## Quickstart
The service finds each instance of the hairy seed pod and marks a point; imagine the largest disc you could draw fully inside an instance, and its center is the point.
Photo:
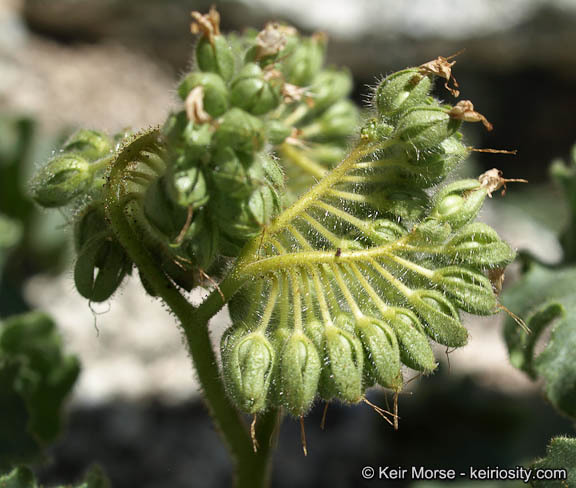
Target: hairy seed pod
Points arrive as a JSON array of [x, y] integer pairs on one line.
[[400, 91], [215, 56], [64, 178], [197, 138], [100, 268], [272, 170], [187, 186], [304, 61], [458, 203], [89, 223], [441, 318], [300, 368], [248, 366], [90, 144], [330, 86], [252, 92], [477, 244], [346, 362], [426, 127], [415, 350], [432, 231], [277, 131], [403, 201], [203, 248], [173, 129], [471, 290], [216, 96], [241, 131], [382, 351], [161, 211]]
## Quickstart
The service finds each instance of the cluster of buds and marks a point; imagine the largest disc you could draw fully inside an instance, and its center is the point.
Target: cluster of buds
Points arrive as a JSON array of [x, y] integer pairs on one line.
[[375, 266]]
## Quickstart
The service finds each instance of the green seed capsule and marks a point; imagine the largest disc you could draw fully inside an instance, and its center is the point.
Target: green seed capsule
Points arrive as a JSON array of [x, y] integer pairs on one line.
[[187, 187], [441, 318], [241, 131], [216, 97], [384, 230], [329, 87], [229, 175], [477, 244], [64, 178], [471, 290], [277, 131], [300, 369], [89, 144], [216, 57], [432, 231], [400, 91], [346, 359], [338, 121], [403, 201], [100, 268], [415, 350], [252, 92], [304, 62], [272, 170], [426, 127], [167, 217], [174, 127], [382, 351], [197, 138], [203, 248], [249, 366], [459, 202]]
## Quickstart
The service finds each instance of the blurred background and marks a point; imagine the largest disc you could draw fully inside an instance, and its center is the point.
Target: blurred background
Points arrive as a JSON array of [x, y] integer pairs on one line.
[[112, 64]]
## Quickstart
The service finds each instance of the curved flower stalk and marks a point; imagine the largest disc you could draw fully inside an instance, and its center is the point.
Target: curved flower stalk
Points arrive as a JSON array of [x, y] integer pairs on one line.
[[342, 253]]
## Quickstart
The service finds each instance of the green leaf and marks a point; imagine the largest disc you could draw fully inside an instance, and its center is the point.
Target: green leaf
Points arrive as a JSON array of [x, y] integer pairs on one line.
[[545, 298], [560, 454], [22, 477], [36, 378]]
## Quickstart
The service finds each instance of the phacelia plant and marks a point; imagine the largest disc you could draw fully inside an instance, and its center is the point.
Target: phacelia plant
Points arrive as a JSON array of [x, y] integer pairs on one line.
[[340, 253]]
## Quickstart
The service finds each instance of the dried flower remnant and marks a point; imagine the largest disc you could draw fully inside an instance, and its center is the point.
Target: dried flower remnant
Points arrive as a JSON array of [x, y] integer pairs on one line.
[[442, 67], [493, 180], [464, 110], [206, 24]]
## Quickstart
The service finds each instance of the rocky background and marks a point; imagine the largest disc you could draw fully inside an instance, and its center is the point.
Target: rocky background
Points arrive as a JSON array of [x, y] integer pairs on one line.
[[110, 64]]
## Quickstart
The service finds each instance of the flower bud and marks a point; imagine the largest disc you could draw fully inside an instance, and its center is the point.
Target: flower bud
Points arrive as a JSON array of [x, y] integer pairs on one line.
[[252, 92], [304, 61], [382, 351], [215, 56], [346, 360], [277, 131], [338, 121], [215, 100], [330, 86], [376, 130], [229, 174], [426, 127], [441, 318], [241, 131], [400, 91], [458, 203], [187, 186], [65, 177], [471, 290], [415, 350], [89, 144], [162, 212], [248, 367], [477, 244], [300, 369], [100, 267]]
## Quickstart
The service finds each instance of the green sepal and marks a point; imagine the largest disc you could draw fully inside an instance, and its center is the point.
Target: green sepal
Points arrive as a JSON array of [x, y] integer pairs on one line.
[[426, 127], [229, 174], [338, 121], [441, 319], [403, 201], [90, 222], [304, 61], [300, 369], [277, 131], [330, 86], [65, 177], [203, 248], [166, 216], [100, 268], [382, 351], [216, 57], [187, 187], [459, 203], [241, 131], [471, 290], [385, 230], [216, 96], [415, 350], [560, 454], [400, 91]]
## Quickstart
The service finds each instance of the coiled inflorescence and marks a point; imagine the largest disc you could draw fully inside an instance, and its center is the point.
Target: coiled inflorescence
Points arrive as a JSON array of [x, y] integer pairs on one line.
[[349, 271]]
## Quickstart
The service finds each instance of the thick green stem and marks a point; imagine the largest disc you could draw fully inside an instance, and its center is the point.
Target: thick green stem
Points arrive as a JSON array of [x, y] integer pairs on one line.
[[252, 468]]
